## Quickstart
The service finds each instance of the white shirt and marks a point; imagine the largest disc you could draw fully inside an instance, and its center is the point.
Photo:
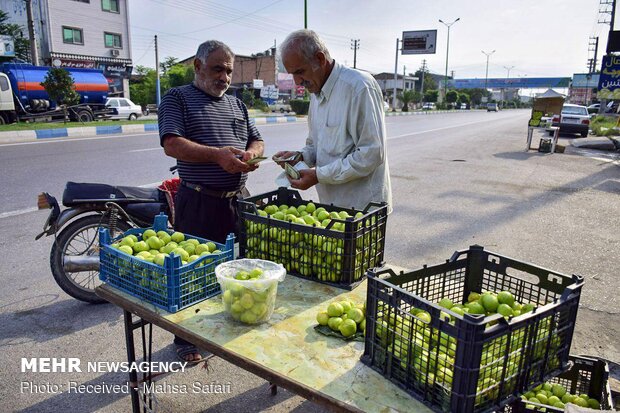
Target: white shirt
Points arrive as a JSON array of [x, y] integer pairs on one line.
[[347, 140]]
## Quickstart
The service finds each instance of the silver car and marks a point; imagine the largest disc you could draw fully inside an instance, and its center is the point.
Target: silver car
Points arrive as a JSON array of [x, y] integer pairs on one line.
[[124, 109]]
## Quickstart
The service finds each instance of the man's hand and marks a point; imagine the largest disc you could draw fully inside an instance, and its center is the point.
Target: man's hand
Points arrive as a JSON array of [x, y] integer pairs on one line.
[[286, 155], [308, 179], [232, 160]]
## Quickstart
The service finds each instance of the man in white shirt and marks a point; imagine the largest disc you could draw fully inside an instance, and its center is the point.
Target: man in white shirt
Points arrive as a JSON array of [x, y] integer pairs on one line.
[[346, 143]]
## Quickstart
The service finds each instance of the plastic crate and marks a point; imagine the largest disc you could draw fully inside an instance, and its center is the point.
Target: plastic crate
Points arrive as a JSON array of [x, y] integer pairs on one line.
[[326, 255], [171, 287], [587, 375], [469, 363]]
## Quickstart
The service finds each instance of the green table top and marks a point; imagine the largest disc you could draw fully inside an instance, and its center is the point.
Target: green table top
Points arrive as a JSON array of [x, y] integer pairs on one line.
[[288, 347]]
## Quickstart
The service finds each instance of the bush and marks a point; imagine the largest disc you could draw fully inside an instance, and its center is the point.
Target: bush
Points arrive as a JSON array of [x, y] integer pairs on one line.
[[261, 105], [299, 106]]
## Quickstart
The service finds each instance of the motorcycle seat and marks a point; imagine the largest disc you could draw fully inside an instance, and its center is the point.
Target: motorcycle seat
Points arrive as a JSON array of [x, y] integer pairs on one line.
[[76, 194], [145, 212]]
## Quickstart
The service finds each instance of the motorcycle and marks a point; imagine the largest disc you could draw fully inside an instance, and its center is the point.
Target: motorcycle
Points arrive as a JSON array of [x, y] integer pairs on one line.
[[74, 257]]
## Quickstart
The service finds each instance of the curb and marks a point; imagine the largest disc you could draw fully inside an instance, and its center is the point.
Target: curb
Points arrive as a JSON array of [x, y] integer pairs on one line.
[[91, 131]]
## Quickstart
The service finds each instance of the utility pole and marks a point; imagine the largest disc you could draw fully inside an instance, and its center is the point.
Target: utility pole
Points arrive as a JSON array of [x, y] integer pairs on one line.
[[158, 90], [305, 14], [355, 45], [395, 77], [34, 53], [423, 76]]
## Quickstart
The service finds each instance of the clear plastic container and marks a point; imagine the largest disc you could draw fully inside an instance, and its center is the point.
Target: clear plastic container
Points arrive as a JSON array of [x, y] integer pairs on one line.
[[250, 301]]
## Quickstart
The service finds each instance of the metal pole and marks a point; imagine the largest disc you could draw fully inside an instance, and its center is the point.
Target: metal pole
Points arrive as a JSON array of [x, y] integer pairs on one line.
[[445, 80], [395, 77], [507, 77], [486, 76], [305, 14], [423, 75], [157, 85]]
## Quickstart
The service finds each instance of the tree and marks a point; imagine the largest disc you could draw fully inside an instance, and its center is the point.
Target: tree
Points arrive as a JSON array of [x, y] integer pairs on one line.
[[179, 75], [247, 96], [22, 44], [451, 96], [431, 95], [60, 87], [141, 70], [406, 97], [429, 82], [143, 91], [168, 63], [463, 98]]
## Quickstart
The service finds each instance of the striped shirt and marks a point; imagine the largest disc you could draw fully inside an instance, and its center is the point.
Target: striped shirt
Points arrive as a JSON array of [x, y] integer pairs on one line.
[[217, 122]]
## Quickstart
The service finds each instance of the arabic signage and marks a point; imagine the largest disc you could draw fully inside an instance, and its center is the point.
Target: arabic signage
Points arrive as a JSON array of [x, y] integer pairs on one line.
[[609, 79], [285, 81], [419, 42]]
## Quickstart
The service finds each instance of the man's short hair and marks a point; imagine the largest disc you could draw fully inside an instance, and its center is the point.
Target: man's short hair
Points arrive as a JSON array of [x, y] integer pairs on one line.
[[206, 48], [307, 42]]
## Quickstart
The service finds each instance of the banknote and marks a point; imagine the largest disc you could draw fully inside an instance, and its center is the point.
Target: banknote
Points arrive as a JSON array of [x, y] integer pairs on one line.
[[291, 171]]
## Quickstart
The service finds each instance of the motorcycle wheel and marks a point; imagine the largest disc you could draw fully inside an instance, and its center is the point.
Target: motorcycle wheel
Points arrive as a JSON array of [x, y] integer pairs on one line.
[[79, 238]]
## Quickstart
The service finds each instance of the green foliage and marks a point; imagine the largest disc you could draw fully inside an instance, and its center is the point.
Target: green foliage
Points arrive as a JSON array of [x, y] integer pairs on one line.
[[22, 44], [300, 106], [143, 91], [179, 75], [168, 63], [452, 96], [429, 82], [407, 97], [261, 105], [604, 126], [247, 96], [463, 98], [60, 87], [431, 95]]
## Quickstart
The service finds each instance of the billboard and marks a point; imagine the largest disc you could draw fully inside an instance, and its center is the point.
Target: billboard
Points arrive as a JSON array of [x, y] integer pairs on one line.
[[609, 79], [7, 47], [419, 42]]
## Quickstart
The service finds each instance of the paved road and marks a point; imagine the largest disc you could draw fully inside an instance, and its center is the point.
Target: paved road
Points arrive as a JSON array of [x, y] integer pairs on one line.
[[458, 179]]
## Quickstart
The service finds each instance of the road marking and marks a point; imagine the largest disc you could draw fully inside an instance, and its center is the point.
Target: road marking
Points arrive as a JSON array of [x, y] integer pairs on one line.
[[18, 212], [438, 129], [75, 139], [145, 150]]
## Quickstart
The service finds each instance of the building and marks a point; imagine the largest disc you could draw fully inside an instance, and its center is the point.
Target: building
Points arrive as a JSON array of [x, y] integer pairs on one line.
[[386, 83], [81, 33]]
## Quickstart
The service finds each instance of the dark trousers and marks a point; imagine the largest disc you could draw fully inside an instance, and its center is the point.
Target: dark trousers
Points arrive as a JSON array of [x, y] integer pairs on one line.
[[204, 216]]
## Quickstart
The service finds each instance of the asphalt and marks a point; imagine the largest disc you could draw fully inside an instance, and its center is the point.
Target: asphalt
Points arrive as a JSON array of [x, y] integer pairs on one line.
[[601, 143]]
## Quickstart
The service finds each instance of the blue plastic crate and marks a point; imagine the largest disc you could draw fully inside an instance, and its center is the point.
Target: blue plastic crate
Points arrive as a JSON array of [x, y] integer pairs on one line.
[[171, 287]]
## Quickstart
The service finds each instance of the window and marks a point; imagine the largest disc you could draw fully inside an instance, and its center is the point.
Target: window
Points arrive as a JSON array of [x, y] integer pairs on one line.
[[72, 35], [82, 1], [4, 84], [124, 102], [113, 103], [113, 40], [110, 5]]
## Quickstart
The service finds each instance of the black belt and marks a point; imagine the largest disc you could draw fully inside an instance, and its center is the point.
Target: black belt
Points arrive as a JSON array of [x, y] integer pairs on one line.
[[204, 190]]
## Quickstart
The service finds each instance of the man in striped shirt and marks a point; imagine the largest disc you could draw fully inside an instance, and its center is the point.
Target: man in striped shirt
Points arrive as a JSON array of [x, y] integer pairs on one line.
[[210, 135]]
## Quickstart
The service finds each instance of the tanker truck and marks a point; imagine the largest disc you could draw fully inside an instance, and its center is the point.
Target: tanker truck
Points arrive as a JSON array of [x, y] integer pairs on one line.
[[22, 98]]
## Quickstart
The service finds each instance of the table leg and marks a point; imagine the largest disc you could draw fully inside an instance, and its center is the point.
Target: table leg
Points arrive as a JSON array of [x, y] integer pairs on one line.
[[556, 136], [131, 358], [530, 132], [273, 388]]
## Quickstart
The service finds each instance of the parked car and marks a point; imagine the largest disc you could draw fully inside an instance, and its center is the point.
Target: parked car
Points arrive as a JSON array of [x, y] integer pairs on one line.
[[594, 108], [124, 108], [573, 119], [428, 106], [386, 106], [280, 106], [492, 107], [463, 106]]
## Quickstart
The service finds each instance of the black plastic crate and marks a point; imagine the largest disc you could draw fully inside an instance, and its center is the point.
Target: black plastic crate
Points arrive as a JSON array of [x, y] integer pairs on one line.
[[587, 375], [338, 254], [469, 363]]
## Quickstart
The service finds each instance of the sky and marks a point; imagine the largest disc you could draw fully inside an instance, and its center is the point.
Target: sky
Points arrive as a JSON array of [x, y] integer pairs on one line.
[[535, 38]]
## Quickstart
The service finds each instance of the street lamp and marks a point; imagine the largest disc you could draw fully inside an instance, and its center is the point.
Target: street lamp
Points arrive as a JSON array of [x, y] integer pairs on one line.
[[445, 81], [486, 76], [507, 77]]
